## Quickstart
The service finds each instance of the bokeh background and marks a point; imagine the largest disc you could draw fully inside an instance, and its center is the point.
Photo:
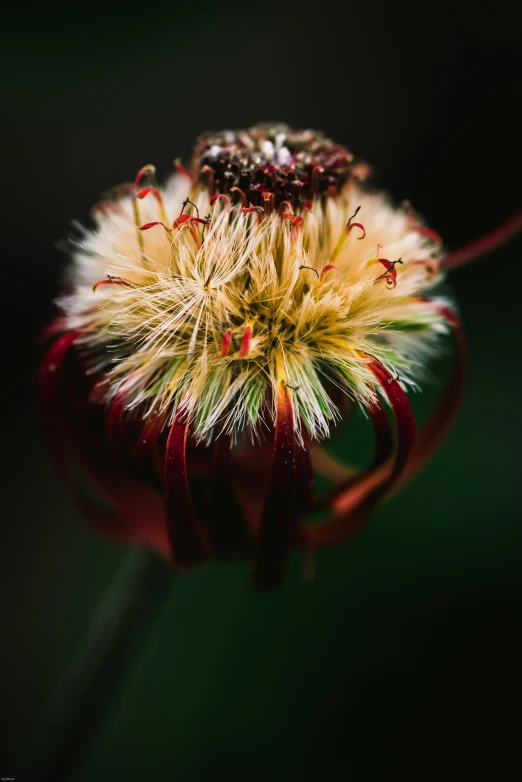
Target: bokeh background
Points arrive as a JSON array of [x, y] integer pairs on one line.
[[403, 659]]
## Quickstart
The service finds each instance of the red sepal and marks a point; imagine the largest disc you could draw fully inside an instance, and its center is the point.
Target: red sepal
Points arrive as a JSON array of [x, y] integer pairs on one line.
[[145, 450], [278, 517], [115, 425], [124, 509], [439, 422], [354, 488], [53, 330], [229, 531], [355, 505], [185, 535]]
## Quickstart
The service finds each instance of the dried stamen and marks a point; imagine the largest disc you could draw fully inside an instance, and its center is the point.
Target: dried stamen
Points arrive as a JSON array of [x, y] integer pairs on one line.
[[390, 275], [342, 239], [185, 203], [111, 281]]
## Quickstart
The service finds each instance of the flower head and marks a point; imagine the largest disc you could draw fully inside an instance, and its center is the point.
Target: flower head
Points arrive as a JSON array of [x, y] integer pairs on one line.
[[248, 301]]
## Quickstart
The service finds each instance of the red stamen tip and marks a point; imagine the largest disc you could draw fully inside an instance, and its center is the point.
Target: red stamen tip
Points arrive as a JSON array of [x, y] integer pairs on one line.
[[245, 343], [356, 225], [148, 170], [328, 268], [225, 198], [285, 209], [250, 209], [111, 281], [390, 275], [225, 343], [188, 221], [180, 220], [296, 224], [145, 191], [146, 226], [242, 195], [182, 170]]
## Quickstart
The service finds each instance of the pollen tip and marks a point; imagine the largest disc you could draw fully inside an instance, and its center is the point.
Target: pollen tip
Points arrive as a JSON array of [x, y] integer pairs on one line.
[[148, 170], [360, 226], [241, 193], [182, 170], [146, 226], [245, 343], [225, 343], [286, 209], [225, 198], [145, 191], [328, 268]]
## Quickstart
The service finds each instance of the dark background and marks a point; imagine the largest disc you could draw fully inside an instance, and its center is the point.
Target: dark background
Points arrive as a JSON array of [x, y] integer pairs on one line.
[[403, 659]]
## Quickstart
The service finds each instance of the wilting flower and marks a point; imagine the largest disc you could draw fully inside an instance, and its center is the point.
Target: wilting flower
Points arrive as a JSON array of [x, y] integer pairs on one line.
[[213, 331]]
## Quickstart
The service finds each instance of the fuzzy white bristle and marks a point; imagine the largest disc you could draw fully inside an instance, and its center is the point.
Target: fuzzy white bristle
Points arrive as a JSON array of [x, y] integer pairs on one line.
[[200, 316]]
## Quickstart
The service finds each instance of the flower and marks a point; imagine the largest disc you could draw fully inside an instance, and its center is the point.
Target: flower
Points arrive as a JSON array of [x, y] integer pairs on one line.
[[212, 332]]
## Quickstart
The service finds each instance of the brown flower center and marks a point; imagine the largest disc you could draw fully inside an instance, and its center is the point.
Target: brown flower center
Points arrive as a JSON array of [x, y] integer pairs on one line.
[[268, 165]]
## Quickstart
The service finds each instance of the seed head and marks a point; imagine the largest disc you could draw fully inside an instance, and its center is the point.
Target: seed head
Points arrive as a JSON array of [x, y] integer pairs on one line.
[[255, 292], [251, 271]]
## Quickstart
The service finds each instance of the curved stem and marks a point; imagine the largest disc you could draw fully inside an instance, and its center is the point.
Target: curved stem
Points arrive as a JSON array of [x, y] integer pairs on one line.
[[486, 244], [92, 685]]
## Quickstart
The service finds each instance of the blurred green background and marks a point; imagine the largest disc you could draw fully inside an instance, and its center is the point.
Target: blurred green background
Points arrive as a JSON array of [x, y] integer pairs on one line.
[[402, 659]]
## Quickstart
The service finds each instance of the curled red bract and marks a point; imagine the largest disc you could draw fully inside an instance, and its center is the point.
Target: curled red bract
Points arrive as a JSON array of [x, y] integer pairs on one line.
[[175, 495]]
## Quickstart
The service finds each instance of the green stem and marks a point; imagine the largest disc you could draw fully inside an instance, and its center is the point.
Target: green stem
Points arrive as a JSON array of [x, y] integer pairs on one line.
[[100, 669]]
